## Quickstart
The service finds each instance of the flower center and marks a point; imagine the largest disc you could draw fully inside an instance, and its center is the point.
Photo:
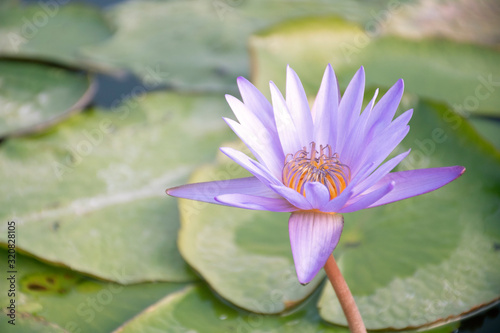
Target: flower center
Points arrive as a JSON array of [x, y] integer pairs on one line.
[[323, 167]]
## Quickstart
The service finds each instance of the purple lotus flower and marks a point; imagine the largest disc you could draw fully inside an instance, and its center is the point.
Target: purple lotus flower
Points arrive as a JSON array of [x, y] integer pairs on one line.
[[319, 163]]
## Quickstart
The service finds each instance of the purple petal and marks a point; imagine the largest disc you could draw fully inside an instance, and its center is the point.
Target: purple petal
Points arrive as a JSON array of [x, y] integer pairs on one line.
[[350, 107], [416, 182], [253, 167], [378, 174], [207, 191], [337, 203], [377, 149], [256, 102], [386, 108], [298, 106], [256, 203], [325, 108], [313, 237], [294, 197], [264, 151], [362, 201], [285, 126], [358, 136], [317, 194]]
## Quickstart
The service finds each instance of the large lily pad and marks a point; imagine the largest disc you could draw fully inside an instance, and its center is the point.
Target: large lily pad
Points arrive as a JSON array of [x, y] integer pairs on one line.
[[432, 258], [463, 75], [95, 186], [488, 128], [175, 314], [35, 96], [244, 255], [201, 44], [51, 31], [50, 299]]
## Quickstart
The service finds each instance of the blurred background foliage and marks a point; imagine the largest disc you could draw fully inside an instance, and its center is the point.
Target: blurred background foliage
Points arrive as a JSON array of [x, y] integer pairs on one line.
[[100, 246]]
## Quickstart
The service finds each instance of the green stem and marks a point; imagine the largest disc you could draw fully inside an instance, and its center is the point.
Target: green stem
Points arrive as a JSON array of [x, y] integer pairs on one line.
[[344, 296]]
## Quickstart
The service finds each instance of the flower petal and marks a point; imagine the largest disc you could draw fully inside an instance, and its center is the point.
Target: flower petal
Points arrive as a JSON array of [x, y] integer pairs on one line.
[[416, 182], [294, 197], [358, 136], [255, 101], [337, 203], [381, 145], [317, 194], [378, 174], [256, 202], [386, 108], [287, 132], [253, 167], [262, 147], [313, 237], [325, 108], [298, 106], [350, 107], [207, 191], [363, 201]]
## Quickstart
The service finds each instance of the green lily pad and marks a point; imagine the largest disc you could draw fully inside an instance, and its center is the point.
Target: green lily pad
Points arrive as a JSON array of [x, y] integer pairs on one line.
[[463, 75], [86, 305], [488, 128], [200, 44], [50, 31], [433, 258], [29, 323], [90, 194], [175, 312], [244, 255], [34, 96]]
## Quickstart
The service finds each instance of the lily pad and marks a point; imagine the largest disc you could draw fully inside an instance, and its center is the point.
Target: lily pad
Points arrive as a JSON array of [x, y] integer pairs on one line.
[[34, 96], [433, 258], [51, 31], [200, 44], [463, 75], [244, 255], [174, 313], [489, 128], [85, 305], [29, 323], [94, 187]]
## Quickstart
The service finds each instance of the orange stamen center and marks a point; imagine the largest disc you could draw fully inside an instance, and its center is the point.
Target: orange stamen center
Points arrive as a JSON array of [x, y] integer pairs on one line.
[[323, 167]]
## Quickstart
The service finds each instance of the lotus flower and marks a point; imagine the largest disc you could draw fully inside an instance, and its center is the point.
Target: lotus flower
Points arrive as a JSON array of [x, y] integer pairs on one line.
[[317, 163]]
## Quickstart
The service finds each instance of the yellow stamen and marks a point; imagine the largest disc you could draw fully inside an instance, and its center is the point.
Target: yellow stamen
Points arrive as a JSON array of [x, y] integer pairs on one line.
[[323, 167]]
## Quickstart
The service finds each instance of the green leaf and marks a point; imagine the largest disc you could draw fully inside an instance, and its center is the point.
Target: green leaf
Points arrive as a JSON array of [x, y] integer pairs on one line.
[[244, 255], [175, 314], [34, 96], [25, 322], [465, 76], [91, 194], [488, 128], [200, 44], [432, 258], [50, 31], [50, 299]]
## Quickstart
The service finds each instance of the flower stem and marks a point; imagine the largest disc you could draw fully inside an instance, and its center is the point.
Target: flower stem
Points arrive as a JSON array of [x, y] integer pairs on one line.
[[344, 296]]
